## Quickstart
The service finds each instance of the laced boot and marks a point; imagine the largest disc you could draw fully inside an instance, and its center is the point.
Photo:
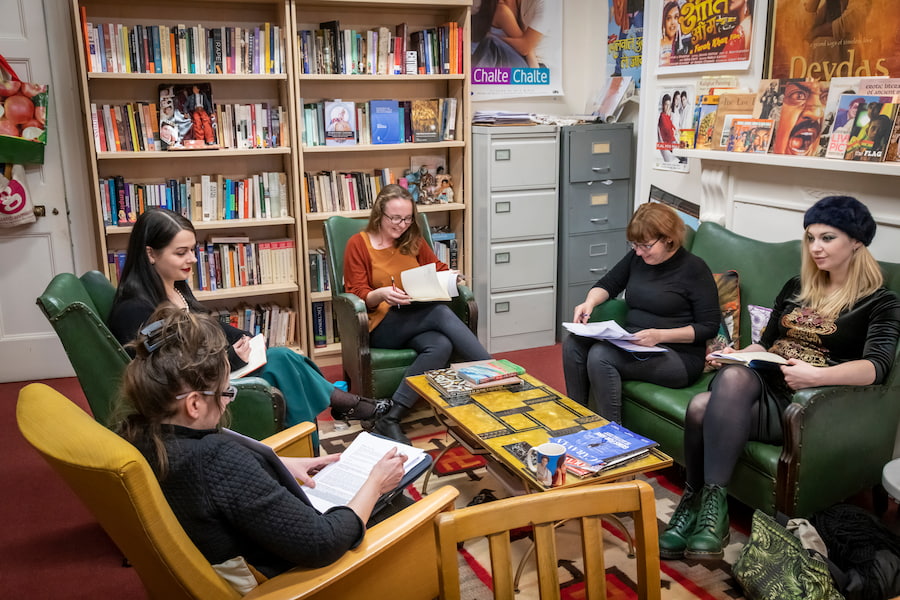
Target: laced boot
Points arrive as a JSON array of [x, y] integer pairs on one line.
[[389, 424], [673, 540], [711, 533], [346, 407]]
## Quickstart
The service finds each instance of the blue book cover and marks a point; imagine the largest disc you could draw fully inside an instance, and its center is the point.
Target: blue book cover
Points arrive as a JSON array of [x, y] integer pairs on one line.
[[385, 117], [604, 444]]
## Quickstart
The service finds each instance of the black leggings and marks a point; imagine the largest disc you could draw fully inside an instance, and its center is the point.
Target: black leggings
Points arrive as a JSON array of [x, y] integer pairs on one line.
[[718, 425]]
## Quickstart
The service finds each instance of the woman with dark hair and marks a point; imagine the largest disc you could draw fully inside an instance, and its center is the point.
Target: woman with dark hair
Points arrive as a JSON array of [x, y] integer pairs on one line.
[[672, 301], [238, 502], [835, 324], [666, 134], [390, 244], [741, 12], [670, 32], [159, 261]]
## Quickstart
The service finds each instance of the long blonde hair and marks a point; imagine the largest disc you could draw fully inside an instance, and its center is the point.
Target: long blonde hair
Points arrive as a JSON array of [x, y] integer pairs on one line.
[[863, 277]]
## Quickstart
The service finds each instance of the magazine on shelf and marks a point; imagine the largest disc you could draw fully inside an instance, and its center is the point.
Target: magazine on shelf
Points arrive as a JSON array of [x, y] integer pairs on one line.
[[340, 481], [613, 333], [750, 135], [606, 445]]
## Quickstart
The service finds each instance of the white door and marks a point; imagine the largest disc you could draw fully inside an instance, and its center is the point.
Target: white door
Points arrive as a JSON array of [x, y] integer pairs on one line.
[[31, 255]]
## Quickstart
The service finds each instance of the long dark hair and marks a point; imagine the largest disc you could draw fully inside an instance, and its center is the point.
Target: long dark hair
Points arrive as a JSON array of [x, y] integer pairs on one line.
[[408, 243], [155, 228]]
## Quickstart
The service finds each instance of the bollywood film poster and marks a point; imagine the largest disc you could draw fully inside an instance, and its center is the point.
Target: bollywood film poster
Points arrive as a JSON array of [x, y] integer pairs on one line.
[[821, 39], [516, 48], [698, 33], [672, 115], [625, 39]]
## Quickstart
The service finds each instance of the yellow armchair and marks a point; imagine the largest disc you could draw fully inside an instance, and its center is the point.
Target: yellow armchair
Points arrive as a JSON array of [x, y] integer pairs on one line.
[[117, 485]]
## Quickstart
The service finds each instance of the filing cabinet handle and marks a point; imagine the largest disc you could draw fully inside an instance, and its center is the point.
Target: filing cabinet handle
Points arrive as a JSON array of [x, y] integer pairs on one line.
[[603, 270], [603, 220], [501, 307], [600, 169], [501, 258], [503, 207]]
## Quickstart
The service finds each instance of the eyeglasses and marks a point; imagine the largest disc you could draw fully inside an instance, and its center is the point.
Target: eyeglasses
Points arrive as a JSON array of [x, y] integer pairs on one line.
[[230, 392], [644, 247], [396, 220]]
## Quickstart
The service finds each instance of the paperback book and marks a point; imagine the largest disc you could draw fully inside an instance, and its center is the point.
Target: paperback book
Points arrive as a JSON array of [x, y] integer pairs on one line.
[[386, 122], [427, 284], [340, 123], [426, 122], [754, 360], [851, 109], [606, 445], [750, 135], [450, 385], [486, 371]]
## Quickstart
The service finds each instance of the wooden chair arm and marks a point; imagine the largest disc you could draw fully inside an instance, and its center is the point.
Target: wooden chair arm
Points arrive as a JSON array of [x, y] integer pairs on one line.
[[293, 441]]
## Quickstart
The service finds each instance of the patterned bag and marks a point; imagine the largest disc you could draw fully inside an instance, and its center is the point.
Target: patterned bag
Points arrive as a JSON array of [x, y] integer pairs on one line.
[[774, 565]]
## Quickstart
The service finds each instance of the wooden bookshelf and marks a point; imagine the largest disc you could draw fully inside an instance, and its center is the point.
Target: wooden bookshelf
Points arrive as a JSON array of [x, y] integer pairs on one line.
[[363, 15]]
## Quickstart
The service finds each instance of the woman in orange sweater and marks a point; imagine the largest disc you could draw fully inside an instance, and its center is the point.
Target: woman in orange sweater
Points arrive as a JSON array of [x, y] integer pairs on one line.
[[390, 244]]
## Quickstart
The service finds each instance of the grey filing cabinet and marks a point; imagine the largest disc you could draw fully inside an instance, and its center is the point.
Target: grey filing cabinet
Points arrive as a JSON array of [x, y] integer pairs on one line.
[[515, 204], [596, 199]]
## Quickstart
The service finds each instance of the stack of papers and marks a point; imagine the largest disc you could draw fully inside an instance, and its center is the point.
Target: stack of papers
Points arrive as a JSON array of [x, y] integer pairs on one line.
[[613, 333], [500, 117]]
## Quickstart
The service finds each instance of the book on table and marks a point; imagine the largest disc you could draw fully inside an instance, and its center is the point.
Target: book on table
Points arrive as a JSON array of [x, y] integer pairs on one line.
[[340, 481], [604, 447], [450, 384], [427, 284], [487, 371], [613, 333], [749, 359]]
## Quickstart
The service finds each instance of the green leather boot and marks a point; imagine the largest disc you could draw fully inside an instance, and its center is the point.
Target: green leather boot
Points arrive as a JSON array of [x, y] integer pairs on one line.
[[711, 532], [673, 540]]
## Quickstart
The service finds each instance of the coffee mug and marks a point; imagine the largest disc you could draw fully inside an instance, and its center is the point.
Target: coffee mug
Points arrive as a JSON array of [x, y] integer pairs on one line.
[[547, 462]]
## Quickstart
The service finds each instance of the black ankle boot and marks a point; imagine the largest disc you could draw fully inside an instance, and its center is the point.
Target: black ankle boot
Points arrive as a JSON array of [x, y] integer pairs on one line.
[[673, 540], [346, 406], [389, 424], [711, 533]]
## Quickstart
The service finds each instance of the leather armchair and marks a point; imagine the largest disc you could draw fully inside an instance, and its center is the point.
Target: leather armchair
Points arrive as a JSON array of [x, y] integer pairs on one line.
[[373, 372], [116, 483], [77, 308]]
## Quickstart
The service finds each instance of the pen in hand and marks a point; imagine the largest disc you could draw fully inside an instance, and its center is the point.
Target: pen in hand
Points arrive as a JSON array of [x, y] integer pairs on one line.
[[395, 289]]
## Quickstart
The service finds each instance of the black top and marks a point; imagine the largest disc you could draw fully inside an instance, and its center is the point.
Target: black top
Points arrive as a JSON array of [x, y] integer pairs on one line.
[[867, 331], [129, 315], [233, 501], [678, 292]]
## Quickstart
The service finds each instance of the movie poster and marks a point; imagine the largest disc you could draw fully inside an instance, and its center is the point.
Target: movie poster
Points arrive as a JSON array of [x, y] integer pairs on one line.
[[516, 51], [821, 39], [672, 116], [698, 33], [625, 39]]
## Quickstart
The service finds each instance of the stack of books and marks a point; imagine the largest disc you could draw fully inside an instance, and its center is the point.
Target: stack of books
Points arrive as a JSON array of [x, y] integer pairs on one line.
[[463, 379], [594, 450]]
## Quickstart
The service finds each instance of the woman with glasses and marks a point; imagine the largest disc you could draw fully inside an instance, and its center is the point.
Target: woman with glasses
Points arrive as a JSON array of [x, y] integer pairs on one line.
[[672, 302], [238, 502], [374, 258], [159, 260]]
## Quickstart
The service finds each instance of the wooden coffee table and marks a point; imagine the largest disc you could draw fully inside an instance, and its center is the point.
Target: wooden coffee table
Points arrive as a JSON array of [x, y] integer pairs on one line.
[[496, 423]]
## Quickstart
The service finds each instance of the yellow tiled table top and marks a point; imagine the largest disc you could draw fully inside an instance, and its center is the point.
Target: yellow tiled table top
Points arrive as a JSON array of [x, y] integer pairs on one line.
[[496, 421]]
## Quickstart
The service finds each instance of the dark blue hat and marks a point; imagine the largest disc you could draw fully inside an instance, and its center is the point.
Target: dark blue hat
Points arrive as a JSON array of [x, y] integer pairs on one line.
[[845, 213]]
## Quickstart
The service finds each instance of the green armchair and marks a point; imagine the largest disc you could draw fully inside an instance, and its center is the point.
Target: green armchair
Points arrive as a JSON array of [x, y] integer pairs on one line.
[[837, 438], [77, 309], [373, 372]]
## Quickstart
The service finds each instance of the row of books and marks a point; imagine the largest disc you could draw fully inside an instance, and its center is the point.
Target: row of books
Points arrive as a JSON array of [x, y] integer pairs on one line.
[[135, 127], [120, 48], [858, 119], [340, 123], [325, 329], [201, 198], [278, 324], [332, 50], [318, 271], [333, 191], [446, 248]]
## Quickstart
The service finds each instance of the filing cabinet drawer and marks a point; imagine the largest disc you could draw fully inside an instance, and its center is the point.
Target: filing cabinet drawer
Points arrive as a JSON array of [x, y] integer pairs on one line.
[[523, 264], [598, 205], [523, 162], [526, 213], [599, 154], [592, 256], [522, 312]]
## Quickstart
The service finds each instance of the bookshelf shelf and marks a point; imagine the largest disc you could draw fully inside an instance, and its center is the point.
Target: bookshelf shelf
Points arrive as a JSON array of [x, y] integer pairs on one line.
[[359, 214], [246, 291], [391, 78], [793, 162], [409, 147], [94, 75], [221, 224], [192, 154]]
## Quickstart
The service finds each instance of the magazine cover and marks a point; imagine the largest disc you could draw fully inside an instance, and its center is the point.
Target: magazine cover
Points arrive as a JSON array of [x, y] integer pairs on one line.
[[871, 134], [850, 107], [625, 40], [699, 33], [822, 39], [668, 133], [832, 120], [603, 444], [797, 107], [750, 135], [187, 117], [705, 120]]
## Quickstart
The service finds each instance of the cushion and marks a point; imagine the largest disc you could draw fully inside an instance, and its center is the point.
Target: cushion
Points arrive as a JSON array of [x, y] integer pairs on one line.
[[728, 284], [759, 317]]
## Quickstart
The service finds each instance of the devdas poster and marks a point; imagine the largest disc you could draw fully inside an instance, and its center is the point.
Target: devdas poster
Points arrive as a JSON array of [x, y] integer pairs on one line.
[[697, 33], [821, 39]]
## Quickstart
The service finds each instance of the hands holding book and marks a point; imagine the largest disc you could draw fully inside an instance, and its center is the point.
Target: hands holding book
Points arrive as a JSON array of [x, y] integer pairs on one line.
[[797, 374]]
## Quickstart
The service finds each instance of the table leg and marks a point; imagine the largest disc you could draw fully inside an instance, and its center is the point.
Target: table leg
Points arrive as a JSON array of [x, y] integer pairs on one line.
[[431, 467]]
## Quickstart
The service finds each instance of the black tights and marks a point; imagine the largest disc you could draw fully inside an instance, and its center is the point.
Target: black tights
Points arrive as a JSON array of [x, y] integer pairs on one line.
[[718, 425]]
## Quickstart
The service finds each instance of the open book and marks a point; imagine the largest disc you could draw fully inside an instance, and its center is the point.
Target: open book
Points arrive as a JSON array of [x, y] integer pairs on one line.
[[750, 359], [339, 482], [257, 357], [613, 333], [427, 284]]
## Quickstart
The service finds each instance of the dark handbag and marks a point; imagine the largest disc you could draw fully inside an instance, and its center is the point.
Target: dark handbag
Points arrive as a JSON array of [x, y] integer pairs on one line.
[[774, 565]]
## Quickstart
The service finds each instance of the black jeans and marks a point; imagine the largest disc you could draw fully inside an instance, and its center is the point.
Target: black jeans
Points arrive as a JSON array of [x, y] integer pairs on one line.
[[432, 330]]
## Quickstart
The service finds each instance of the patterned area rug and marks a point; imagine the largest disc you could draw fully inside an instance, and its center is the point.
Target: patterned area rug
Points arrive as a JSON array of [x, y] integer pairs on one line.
[[683, 579]]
